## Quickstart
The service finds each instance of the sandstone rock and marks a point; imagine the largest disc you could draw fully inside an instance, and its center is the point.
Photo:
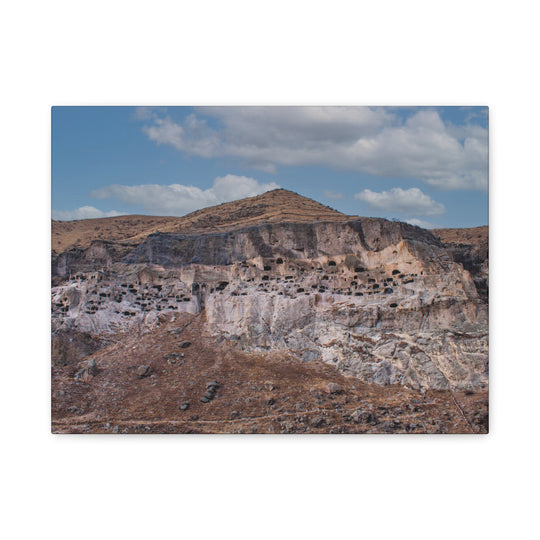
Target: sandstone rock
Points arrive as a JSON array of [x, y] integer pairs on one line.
[[318, 422], [176, 331], [287, 427], [173, 358], [143, 371], [210, 393], [363, 417], [388, 427], [88, 370], [333, 388], [69, 347]]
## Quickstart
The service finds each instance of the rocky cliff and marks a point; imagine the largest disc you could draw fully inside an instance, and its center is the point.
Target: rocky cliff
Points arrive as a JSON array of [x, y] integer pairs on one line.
[[469, 247], [382, 301]]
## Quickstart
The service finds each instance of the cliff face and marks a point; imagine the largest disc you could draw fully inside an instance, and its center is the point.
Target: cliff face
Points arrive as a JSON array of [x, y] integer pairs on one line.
[[469, 247], [382, 301], [290, 240], [300, 241]]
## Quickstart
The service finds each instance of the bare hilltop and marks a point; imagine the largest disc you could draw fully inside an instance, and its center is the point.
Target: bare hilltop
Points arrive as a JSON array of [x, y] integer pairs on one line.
[[271, 207]]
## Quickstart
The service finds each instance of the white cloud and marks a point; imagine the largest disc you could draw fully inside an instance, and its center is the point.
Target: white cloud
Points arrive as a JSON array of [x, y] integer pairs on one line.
[[84, 212], [331, 194], [364, 139], [411, 202], [420, 223], [178, 199], [147, 113]]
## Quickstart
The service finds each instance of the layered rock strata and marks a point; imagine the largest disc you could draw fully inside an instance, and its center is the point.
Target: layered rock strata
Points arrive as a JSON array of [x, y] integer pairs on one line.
[[382, 301]]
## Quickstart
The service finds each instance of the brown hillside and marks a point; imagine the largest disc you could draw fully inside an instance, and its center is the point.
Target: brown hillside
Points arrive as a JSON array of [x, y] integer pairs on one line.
[[269, 393], [273, 206], [475, 236]]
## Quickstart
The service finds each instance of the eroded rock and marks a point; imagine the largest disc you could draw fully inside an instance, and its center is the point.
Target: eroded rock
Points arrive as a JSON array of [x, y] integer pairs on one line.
[[87, 371], [143, 371], [385, 302], [333, 388]]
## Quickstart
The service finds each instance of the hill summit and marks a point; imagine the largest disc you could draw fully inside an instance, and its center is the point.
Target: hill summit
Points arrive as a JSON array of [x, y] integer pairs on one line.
[[278, 205], [273, 206]]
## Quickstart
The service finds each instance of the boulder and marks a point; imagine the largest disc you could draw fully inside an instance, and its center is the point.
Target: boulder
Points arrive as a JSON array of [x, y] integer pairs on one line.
[[333, 388], [172, 358], [363, 417], [176, 331], [318, 421], [143, 371], [87, 371]]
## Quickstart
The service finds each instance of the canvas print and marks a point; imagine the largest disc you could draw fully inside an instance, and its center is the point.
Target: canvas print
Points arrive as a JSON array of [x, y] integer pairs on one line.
[[269, 270]]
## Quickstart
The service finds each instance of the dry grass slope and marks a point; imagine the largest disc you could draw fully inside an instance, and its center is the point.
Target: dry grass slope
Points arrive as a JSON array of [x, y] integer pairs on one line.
[[273, 206], [475, 236], [270, 393]]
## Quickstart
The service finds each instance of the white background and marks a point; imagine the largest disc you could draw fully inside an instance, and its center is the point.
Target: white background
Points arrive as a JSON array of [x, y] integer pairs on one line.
[[174, 53]]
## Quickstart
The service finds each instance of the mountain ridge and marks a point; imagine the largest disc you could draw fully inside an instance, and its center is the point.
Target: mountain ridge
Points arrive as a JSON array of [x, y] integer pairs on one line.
[[278, 205], [270, 207]]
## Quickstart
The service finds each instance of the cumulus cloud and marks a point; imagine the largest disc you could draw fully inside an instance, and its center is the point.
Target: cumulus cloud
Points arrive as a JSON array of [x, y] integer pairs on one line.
[[178, 199], [420, 223], [331, 194], [84, 212], [411, 202], [147, 113], [369, 140]]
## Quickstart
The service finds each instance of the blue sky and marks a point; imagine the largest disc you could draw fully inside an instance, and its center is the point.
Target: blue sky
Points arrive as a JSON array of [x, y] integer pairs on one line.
[[424, 165]]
